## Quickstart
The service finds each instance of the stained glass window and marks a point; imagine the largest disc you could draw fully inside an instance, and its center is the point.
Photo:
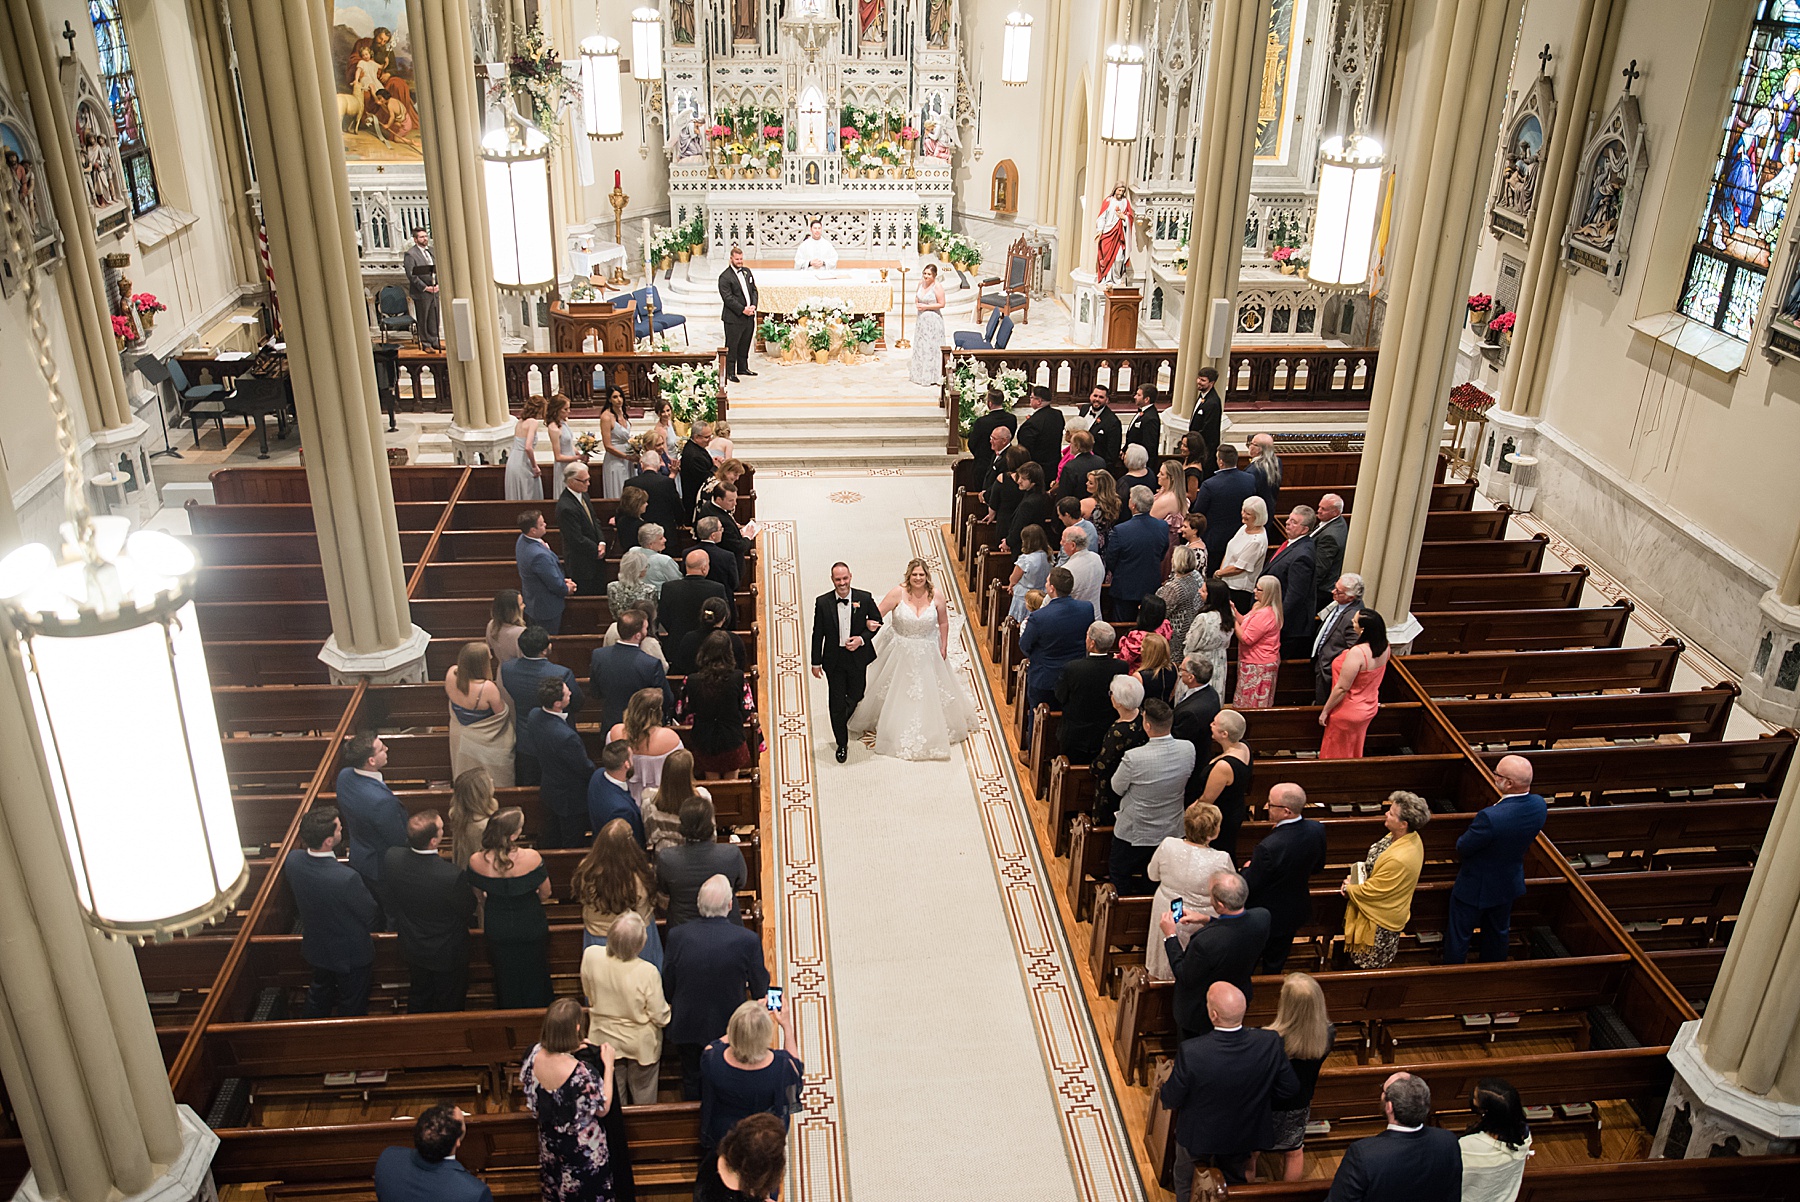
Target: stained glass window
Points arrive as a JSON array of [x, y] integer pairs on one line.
[[1754, 178], [119, 83]]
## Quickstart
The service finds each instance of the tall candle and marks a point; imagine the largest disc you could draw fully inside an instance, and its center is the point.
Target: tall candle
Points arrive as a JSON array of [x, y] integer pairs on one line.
[[646, 244], [615, 180]]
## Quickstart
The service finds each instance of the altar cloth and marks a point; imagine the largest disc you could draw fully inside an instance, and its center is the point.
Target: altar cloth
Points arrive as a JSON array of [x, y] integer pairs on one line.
[[783, 290]]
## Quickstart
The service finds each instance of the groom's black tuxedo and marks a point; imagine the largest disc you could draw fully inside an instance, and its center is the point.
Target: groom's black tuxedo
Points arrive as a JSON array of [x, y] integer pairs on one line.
[[845, 671]]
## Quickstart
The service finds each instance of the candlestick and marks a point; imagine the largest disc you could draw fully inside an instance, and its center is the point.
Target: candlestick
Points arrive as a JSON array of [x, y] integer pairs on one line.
[[619, 200], [901, 343]]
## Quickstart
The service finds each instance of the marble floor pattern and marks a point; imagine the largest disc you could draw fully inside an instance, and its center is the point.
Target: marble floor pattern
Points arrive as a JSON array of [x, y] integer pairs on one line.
[[939, 1008]]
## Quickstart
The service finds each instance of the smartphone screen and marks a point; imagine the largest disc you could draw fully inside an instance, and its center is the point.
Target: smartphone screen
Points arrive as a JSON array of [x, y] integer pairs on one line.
[[774, 997], [1175, 908]]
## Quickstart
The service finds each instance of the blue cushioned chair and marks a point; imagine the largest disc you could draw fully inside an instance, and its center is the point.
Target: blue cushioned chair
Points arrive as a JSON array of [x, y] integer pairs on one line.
[[660, 320], [998, 334]]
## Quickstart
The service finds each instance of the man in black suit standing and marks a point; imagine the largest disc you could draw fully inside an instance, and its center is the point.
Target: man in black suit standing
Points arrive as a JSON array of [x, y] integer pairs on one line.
[[521, 678], [1409, 1160], [844, 623], [1225, 948], [618, 671], [1042, 433], [1292, 563], [1074, 479], [1329, 537], [709, 966], [1084, 690], [1104, 425], [432, 907], [1195, 712], [1280, 871], [1209, 413], [1146, 428], [582, 545], [663, 507], [1224, 1089], [1336, 631], [737, 292], [679, 608], [722, 567], [337, 913], [981, 432], [696, 466], [563, 765]]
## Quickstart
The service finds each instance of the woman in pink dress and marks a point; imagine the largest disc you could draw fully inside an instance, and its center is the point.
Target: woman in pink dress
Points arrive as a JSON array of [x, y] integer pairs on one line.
[[1355, 688], [1259, 647]]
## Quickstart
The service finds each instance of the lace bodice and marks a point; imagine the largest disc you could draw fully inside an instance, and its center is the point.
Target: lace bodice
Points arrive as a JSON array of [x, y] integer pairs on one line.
[[910, 625]]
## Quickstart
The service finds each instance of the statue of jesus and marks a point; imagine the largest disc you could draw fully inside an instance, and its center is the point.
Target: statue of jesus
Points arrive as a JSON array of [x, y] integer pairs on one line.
[[816, 251], [1112, 261]]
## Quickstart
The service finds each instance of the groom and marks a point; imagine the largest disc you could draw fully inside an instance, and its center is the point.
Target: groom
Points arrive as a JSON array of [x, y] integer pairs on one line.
[[841, 651]]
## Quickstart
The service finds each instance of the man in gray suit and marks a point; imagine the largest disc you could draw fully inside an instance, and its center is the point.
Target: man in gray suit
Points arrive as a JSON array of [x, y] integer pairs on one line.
[[1328, 547], [1335, 631], [420, 265], [1149, 783]]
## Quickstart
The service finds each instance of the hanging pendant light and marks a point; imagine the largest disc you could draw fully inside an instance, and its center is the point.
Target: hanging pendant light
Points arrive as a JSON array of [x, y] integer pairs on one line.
[[1015, 51], [515, 163], [646, 45], [600, 103], [1350, 171], [1121, 93], [143, 799]]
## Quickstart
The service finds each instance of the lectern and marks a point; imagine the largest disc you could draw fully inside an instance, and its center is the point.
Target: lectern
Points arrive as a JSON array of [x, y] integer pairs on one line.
[[1122, 318]]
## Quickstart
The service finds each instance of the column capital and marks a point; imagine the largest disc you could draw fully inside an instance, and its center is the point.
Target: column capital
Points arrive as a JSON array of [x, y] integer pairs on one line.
[[488, 442], [188, 1179], [404, 664], [1772, 685], [1705, 1110]]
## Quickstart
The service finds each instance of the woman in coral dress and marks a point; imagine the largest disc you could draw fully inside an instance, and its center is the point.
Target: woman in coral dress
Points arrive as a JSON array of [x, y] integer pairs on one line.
[[1259, 647], [1355, 688]]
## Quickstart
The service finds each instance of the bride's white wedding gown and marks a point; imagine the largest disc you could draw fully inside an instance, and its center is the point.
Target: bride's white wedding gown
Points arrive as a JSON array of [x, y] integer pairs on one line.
[[911, 702]]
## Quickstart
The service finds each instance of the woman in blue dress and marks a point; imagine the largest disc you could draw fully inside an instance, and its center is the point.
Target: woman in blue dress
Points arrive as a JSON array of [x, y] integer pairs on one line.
[[522, 480]]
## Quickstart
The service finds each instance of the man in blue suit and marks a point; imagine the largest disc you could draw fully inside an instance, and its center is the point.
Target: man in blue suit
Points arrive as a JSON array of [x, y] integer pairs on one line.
[[1221, 502], [336, 915], [1292, 562], [564, 765], [428, 1171], [1054, 635], [1134, 554], [709, 968], [1493, 865], [618, 671], [607, 795], [521, 678], [1409, 1159], [374, 819], [541, 577]]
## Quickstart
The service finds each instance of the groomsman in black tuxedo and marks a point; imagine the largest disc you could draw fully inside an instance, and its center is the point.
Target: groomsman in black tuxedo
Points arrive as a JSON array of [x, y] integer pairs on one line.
[[1146, 428], [844, 624], [581, 540], [1042, 433], [1209, 414], [1109, 434], [737, 291]]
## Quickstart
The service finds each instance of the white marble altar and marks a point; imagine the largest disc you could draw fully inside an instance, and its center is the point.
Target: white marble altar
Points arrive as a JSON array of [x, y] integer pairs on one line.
[[858, 290]]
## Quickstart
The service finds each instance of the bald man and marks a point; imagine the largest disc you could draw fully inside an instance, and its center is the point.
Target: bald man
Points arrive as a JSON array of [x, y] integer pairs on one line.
[[1492, 850], [1280, 871], [1224, 1089]]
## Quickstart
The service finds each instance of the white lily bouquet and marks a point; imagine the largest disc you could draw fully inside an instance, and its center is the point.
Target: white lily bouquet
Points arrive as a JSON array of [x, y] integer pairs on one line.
[[691, 389]]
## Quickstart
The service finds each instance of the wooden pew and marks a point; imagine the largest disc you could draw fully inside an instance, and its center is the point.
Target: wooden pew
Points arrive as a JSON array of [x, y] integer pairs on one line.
[[1502, 673], [1451, 525], [1484, 555], [291, 518], [1722, 1179], [1071, 793], [1589, 775], [1523, 629], [1443, 496], [1531, 590], [1542, 722]]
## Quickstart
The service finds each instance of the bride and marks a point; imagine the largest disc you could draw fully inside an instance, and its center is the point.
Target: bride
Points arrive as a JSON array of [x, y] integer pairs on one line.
[[912, 703]]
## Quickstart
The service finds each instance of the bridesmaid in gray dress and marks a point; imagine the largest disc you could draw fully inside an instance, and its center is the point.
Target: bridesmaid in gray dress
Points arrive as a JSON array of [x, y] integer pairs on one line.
[[615, 442], [562, 441], [522, 480]]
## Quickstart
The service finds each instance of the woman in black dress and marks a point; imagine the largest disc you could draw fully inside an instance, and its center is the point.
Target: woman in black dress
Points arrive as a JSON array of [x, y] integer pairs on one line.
[[1228, 778], [746, 1073], [516, 886], [627, 518], [713, 616], [717, 702], [1127, 694], [1003, 497], [752, 1161]]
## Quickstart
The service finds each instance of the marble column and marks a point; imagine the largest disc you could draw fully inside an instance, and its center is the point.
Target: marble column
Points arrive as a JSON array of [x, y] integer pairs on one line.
[[569, 206], [1053, 87], [1522, 382], [212, 46], [1234, 71], [1737, 1071], [443, 54], [1772, 686], [1461, 69], [284, 58]]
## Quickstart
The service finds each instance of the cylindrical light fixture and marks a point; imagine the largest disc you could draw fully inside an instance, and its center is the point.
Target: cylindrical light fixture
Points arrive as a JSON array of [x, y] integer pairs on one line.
[[515, 163], [1015, 51], [600, 104], [142, 794], [1350, 171], [646, 45], [1121, 93]]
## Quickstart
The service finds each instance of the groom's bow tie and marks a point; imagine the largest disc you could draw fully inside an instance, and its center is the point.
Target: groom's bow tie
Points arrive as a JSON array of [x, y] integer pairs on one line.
[[843, 600]]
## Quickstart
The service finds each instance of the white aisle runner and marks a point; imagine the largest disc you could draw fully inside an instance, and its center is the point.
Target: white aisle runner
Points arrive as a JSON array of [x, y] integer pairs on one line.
[[947, 1046]]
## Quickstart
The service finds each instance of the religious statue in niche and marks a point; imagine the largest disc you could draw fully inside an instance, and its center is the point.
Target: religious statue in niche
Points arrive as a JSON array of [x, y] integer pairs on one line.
[[1113, 261], [1003, 195], [688, 146], [1522, 157], [1609, 179], [938, 141], [743, 20], [96, 149], [681, 22], [871, 22], [28, 192], [1605, 194], [937, 23]]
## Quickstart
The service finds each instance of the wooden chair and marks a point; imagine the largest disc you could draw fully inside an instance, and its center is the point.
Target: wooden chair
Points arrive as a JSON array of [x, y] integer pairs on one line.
[[1014, 296]]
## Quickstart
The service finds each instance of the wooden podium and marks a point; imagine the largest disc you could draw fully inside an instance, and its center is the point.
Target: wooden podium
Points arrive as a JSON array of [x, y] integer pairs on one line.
[[1122, 318]]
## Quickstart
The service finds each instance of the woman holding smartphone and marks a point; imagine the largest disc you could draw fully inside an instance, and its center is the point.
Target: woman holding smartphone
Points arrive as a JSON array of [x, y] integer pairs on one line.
[[745, 1073]]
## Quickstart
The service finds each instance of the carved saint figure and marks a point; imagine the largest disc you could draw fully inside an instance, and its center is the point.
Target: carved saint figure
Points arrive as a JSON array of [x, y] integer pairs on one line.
[[681, 22], [743, 20], [1600, 213], [1113, 261], [871, 22], [1520, 181], [688, 145], [937, 23]]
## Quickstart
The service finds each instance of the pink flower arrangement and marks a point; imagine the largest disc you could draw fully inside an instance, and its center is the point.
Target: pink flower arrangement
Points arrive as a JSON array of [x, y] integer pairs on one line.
[[719, 131], [145, 302], [1503, 322], [908, 133], [848, 133], [123, 327], [1481, 302], [1281, 254], [771, 131]]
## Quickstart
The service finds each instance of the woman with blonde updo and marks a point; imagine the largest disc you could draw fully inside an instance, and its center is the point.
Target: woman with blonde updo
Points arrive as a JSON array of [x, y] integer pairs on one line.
[[912, 703]]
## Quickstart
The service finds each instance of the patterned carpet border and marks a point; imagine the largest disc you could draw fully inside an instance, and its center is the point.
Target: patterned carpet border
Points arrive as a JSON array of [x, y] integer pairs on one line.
[[818, 1171], [1093, 1129]]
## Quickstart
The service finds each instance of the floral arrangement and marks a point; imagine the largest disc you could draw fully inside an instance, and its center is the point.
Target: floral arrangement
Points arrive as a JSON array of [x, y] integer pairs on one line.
[[1281, 254], [961, 252], [587, 443], [145, 302], [540, 86], [771, 131], [1502, 323], [775, 332], [930, 231], [665, 243], [821, 308], [970, 383], [1470, 399], [849, 134], [695, 231], [908, 134], [123, 327], [1481, 302], [866, 331], [820, 339], [692, 389], [718, 133], [1012, 385], [583, 290]]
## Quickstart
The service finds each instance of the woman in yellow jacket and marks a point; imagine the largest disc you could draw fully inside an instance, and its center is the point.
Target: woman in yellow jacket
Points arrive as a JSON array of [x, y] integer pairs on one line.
[[626, 1007], [1380, 904]]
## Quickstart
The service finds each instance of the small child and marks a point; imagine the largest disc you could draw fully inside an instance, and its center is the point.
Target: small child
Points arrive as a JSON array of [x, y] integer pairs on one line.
[[720, 447]]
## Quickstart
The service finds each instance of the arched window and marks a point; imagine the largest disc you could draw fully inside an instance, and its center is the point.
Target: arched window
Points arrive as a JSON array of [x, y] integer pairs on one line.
[[1753, 181], [119, 83]]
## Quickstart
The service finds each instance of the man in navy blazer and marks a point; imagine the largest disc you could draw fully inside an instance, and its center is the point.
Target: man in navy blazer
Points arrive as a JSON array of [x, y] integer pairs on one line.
[[1224, 1089], [521, 677], [1225, 948], [1054, 635], [711, 965], [374, 819], [1221, 502], [1291, 562], [541, 578], [1409, 1160], [1280, 871], [1134, 554], [1492, 849], [607, 795], [618, 671], [563, 764], [428, 1171], [336, 915]]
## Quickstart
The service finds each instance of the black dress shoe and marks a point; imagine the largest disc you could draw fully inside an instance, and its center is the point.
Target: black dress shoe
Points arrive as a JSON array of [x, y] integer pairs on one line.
[[842, 751], [748, 372], [731, 379]]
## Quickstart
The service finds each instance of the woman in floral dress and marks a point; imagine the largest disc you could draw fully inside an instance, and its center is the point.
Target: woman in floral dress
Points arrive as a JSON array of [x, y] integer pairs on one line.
[[569, 1099]]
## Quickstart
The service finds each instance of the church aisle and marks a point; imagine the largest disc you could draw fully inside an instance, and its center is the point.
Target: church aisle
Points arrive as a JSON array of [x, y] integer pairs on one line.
[[939, 1010]]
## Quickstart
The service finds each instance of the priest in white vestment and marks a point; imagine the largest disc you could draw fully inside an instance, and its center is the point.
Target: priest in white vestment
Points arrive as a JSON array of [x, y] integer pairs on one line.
[[816, 251]]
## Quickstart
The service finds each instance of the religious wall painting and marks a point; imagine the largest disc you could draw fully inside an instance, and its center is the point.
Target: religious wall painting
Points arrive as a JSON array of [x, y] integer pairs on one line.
[[372, 65], [1522, 160], [1280, 79], [24, 165], [96, 149], [1609, 180]]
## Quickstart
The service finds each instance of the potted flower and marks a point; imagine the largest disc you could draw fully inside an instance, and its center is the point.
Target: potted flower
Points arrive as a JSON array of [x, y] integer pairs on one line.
[[776, 335], [692, 390], [930, 234], [866, 333], [123, 331], [1283, 258], [1480, 306], [147, 307], [909, 135], [1500, 328], [820, 341], [718, 133]]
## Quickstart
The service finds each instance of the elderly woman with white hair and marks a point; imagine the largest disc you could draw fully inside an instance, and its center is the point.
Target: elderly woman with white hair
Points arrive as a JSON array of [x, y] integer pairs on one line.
[[1137, 470], [1181, 593], [1243, 560], [1127, 693], [632, 586], [748, 1072], [626, 1007]]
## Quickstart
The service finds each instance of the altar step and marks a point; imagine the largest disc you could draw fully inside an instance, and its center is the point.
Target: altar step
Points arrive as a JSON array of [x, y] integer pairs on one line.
[[847, 434]]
